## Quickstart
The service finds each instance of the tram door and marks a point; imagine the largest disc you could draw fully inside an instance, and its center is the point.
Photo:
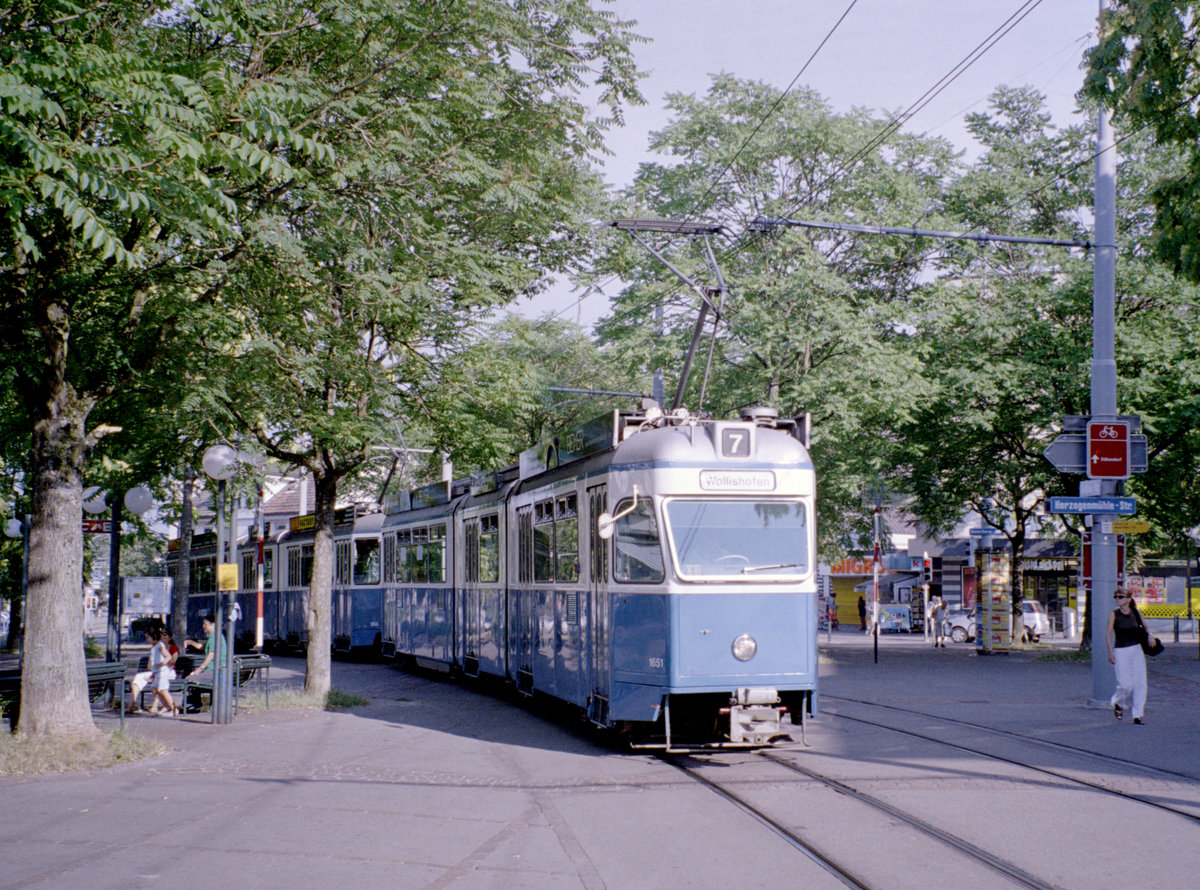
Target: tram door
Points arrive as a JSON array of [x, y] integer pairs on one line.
[[472, 617], [599, 624], [526, 613]]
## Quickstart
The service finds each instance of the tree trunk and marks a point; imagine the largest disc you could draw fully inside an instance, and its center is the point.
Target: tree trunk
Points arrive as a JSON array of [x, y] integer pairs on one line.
[[1017, 589], [320, 600], [54, 690]]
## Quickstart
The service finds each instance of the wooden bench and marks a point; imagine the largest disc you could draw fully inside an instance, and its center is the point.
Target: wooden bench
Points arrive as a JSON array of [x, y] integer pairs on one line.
[[245, 667], [104, 678]]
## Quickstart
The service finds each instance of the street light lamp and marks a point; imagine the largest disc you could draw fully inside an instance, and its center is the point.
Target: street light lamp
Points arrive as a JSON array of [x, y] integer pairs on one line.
[[220, 464], [19, 528]]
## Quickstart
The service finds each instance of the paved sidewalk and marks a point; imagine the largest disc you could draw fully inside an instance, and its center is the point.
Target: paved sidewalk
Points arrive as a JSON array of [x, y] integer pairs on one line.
[[434, 784]]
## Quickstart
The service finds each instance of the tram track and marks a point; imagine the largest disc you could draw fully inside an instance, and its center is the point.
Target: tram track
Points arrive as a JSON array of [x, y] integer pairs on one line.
[[844, 872], [1060, 746], [1191, 816], [821, 858]]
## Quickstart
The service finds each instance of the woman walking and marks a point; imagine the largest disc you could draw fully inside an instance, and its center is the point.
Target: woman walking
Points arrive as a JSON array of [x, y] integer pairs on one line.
[[1124, 636]]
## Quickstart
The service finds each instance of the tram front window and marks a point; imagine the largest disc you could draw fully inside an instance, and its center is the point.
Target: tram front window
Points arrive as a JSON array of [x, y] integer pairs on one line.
[[714, 539], [638, 553]]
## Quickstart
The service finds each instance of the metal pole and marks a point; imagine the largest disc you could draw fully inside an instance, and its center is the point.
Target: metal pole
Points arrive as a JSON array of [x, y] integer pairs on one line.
[[220, 665], [875, 576], [112, 649], [260, 574], [1104, 388], [24, 590]]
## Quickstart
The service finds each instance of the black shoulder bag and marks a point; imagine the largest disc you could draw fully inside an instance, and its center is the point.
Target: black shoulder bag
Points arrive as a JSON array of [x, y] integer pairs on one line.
[[1146, 647]]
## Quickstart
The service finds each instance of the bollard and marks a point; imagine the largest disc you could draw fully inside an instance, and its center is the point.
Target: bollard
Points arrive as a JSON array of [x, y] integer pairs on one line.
[[1176, 628]]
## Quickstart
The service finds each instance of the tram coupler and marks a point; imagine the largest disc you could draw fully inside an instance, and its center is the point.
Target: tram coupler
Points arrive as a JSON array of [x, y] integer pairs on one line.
[[756, 717]]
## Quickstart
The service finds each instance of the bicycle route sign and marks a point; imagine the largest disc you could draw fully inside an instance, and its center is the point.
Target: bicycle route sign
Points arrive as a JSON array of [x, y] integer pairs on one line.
[[1107, 450]]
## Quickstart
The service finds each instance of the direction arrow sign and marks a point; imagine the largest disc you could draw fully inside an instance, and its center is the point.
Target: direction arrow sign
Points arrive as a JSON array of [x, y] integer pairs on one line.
[[1115, 506], [1068, 453]]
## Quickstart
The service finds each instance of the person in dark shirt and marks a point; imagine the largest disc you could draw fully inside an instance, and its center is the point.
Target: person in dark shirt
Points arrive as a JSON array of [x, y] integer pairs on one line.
[[1124, 636]]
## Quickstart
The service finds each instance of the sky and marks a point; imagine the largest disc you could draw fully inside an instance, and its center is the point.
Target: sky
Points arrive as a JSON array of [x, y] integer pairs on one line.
[[884, 56]]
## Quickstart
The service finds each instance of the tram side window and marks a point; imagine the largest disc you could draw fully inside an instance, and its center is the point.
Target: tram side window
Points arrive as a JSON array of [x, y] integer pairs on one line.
[[341, 575], [250, 569], [204, 575], [366, 561], [489, 548], [525, 545], [389, 559], [436, 558], [417, 554], [566, 539], [403, 548], [300, 560], [638, 556], [543, 541]]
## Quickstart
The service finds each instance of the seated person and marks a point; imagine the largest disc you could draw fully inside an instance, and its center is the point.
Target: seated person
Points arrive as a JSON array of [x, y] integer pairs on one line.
[[213, 646]]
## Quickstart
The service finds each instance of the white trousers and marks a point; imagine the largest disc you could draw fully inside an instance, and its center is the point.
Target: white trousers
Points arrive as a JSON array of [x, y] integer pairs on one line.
[[1131, 679]]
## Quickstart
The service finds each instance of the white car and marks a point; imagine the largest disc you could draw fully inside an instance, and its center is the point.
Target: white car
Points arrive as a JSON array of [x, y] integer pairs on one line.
[[960, 623], [1035, 619]]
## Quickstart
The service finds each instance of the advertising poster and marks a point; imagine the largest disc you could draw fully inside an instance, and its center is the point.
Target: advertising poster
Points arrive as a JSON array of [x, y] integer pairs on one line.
[[995, 601]]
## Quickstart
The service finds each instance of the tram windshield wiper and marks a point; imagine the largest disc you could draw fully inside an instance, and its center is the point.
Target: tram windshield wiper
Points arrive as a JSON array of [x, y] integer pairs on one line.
[[779, 565]]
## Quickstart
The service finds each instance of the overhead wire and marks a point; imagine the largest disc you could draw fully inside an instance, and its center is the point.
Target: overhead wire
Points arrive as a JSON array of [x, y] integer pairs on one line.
[[894, 125], [745, 142], [918, 105]]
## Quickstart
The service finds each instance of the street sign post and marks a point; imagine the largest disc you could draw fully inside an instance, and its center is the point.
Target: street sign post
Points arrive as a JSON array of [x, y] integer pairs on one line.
[[1117, 506], [1107, 450], [1069, 454]]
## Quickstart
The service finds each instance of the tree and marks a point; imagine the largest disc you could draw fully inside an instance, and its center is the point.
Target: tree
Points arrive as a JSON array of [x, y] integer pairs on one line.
[[1005, 329], [1008, 331], [457, 166], [1147, 68], [153, 153], [495, 400], [815, 319]]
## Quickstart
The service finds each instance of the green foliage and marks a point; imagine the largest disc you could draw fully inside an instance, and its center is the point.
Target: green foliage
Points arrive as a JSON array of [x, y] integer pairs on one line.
[[816, 320], [1147, 67], [494, 400]]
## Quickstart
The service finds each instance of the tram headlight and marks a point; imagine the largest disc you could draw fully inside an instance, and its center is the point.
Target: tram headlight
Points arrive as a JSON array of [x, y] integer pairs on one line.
[[744, 647]]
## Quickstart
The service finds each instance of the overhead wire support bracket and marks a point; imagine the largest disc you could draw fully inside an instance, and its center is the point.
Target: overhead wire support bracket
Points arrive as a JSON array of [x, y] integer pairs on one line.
[[765, 225], [706, 292]]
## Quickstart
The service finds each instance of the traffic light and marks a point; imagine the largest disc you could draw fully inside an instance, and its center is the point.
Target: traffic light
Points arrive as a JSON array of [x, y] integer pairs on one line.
[[926, 570]]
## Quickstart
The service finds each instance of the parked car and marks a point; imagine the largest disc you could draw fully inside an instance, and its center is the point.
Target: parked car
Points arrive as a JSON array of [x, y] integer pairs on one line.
[[959, 624], [1035, 619]]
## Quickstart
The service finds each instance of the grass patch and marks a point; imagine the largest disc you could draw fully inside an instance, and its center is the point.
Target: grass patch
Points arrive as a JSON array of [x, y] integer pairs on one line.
[[338, 699], [92, 648], [294, 698], [1067, 655], [35, 755]]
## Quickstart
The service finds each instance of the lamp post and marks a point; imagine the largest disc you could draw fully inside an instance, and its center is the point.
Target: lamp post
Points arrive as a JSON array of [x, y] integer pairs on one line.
[[220, 463], [137, 501], [19, 528]]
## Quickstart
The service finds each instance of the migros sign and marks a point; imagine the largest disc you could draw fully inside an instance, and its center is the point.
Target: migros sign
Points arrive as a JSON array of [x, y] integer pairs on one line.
[[853, 566]]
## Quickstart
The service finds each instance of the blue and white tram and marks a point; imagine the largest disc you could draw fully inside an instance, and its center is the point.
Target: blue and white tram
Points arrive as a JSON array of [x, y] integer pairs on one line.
[[247, 595], [357, 583], [418, 596], [663, 584]]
